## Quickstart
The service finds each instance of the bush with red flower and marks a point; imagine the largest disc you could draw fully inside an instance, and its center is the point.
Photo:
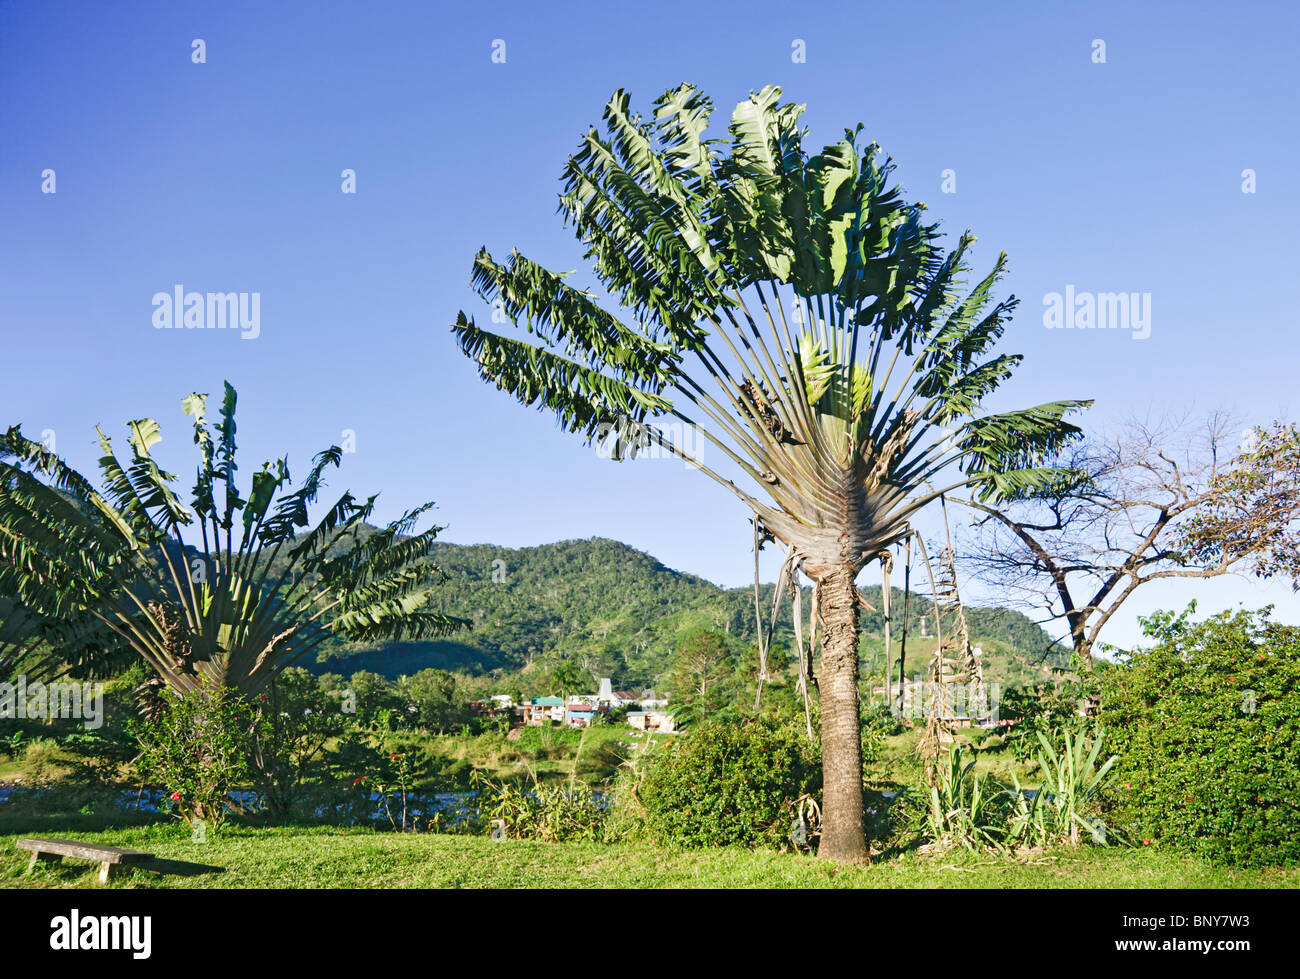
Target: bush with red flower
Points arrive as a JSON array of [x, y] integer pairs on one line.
[[197, 749], [1207, 723]]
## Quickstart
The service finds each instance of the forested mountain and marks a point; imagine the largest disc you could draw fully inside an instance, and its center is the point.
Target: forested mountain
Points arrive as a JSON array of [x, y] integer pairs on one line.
[[616, 611]]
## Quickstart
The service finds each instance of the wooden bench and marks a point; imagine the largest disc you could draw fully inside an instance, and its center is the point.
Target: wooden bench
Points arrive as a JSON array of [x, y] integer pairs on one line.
[[109, 858]]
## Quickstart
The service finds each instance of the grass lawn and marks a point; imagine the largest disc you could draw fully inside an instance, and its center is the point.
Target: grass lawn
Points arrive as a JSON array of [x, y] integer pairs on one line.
[[329, 857]]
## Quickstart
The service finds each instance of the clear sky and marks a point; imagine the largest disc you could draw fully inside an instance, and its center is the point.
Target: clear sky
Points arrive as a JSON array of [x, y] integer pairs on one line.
[[224, 176]]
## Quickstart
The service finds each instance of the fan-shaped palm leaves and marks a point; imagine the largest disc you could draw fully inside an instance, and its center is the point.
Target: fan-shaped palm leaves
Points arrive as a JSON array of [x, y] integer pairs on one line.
[[800, 314], [260, 588]]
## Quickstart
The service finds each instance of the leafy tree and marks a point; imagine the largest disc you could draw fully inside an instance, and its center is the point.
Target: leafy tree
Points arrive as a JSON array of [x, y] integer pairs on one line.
[[800, 315], [702, 660], [433, 694], [251, 597], [372, 697], [1252, 516], [568, 678], [294, 723], [1207, 726]]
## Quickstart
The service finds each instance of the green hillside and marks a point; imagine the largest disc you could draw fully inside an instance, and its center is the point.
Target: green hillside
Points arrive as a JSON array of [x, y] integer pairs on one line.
[[620, 612]]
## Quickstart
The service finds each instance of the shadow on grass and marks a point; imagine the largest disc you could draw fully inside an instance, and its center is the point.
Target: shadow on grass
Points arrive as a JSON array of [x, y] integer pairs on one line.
[[892, 851], [179, 868], [83, 873], [36, 823]]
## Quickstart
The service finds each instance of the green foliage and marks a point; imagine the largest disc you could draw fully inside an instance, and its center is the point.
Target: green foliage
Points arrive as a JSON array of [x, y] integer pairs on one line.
[[976, 811], [964, 807], [1253, 512], [197, 751], [223, 589], [700, 667], [1207, 723], [1043, 708], [728, 784], [371, 698], [878, 723], [433, 695], [1028, 823], [294, 722], [568, 679], [13, 744], [1068, 799], [550, 814], [676, 226]]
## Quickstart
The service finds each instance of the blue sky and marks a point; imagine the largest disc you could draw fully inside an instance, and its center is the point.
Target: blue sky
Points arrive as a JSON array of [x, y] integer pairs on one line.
[[225, 176]]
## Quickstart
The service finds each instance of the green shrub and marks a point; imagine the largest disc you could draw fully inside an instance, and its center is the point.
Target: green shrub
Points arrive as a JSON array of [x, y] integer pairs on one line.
[[39, 757], [11, 743], [295, 721], [1207, 724], [965, 808], [728, 784], [551, 814], [1043, 709], [1068, 803], [197, 750]]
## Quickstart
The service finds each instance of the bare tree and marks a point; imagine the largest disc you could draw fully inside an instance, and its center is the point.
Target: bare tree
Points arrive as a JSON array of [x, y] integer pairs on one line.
[[1162, 500]]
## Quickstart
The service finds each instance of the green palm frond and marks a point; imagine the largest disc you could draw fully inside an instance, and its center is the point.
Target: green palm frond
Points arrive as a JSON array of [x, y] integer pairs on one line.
[[571, 319], [791, 305], [582, 398], [93, 576], [1006, 451]]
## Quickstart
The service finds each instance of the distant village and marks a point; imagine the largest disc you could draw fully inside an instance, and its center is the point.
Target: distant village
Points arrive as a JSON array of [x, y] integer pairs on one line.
[[646, 709]]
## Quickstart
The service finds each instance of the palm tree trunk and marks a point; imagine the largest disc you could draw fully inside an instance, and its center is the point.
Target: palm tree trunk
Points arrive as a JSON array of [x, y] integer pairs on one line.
[[843, 836]]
